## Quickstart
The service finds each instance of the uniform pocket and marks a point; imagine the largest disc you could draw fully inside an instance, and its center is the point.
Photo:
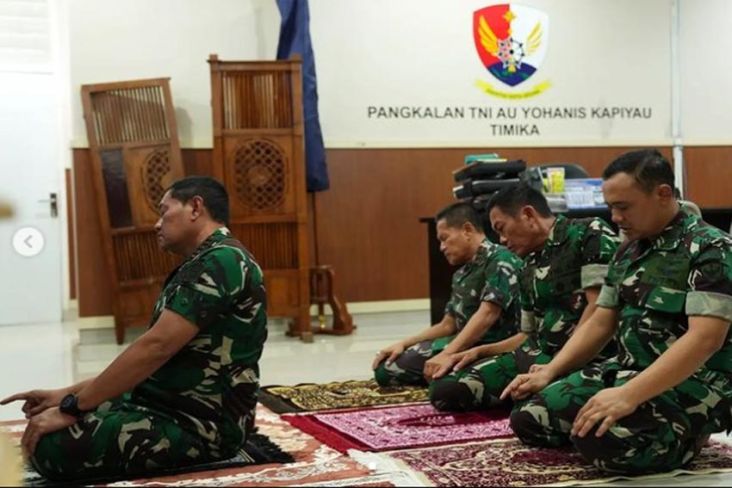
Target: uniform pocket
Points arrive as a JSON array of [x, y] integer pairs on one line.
[[664, 299]]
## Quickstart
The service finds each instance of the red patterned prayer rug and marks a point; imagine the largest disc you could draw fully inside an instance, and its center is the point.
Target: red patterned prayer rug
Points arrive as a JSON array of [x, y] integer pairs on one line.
[[508, 462], [407, 426], [314, 462]]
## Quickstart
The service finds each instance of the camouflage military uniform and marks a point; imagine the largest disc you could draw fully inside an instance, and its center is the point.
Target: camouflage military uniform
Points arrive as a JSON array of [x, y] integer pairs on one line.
[[574, 257], [491, 276], [197, 407], [655, 286]]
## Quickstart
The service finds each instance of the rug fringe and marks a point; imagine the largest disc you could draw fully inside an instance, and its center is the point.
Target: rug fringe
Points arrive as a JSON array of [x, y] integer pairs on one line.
[[271, 451], [381, 463]]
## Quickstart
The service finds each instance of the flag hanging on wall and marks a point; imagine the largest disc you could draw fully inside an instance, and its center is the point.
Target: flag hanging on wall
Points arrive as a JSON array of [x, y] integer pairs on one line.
[[295, 39]]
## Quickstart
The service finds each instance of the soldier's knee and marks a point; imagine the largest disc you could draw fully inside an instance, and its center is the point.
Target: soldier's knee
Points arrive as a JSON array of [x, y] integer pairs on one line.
[[382, 376], [610, 453], [526, 426], [598, 451], [49, 461], [450, 395], [606, 453]]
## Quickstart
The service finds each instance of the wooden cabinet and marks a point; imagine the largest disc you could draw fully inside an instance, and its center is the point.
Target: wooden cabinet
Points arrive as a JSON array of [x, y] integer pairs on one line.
[[259, 156], [135, 156]]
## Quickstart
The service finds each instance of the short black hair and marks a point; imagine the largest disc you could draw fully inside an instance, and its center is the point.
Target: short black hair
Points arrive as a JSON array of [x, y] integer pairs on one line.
[[213, 193], [457, 214], [511, 199], [648, 166]]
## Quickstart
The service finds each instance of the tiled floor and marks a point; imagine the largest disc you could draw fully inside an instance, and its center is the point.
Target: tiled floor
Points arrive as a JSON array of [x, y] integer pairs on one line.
[[54, 355]]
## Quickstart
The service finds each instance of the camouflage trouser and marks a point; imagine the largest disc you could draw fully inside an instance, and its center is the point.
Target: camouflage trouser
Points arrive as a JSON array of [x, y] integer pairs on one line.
[[408, 368], [120, 439], [664, 433], [480, 385]]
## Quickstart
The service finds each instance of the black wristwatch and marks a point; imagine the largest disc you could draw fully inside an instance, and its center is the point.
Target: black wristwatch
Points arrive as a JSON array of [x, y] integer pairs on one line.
[[70, 406]]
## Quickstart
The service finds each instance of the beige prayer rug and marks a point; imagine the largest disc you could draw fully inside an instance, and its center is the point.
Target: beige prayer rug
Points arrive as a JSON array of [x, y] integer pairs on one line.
[[309, 397], [313, 461]]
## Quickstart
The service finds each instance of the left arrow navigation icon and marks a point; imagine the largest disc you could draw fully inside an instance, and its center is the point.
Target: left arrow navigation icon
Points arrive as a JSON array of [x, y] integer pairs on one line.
[[28, 241]]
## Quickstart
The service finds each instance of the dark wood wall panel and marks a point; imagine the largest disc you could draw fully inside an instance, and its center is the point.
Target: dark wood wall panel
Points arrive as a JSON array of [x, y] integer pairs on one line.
[[68, 185], [709, 175], [93, 287], [367, 225]]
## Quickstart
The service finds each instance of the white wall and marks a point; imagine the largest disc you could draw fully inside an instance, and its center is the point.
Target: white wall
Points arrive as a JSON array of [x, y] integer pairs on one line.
[[706, 71], [113, 40], [420, 53]]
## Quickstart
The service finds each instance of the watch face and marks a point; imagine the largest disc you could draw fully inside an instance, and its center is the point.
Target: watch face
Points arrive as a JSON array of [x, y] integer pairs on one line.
[[68, 403]]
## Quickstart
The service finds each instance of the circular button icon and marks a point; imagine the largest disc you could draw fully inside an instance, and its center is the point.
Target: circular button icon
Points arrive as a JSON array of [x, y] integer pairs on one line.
[[28, 241]]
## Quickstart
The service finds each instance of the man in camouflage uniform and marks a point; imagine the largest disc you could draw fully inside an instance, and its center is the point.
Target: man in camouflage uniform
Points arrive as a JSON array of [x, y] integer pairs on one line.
[[483, 306], [565, 264], [183, 393], [667, 300]]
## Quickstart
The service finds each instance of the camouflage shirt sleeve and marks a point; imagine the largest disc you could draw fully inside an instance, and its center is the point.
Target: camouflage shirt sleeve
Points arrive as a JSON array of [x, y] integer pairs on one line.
[[204, 293], [710, 281], [528, 322], [450, 306], [608, 297], [502, 281], [451, 303], [609, 292], [598, 247]]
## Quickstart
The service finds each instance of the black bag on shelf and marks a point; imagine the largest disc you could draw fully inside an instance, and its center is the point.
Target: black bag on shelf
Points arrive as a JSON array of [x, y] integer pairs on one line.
[[490, 171]]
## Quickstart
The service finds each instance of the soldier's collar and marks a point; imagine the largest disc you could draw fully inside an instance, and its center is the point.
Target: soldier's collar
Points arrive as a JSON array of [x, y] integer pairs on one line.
[[670, 238], [485, 244], [216, 236], [558, 232]]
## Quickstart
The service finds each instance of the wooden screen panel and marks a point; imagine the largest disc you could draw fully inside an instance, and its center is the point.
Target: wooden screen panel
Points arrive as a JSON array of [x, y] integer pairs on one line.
[[116, 190], [260, 173], [136, 156], [150, 173], [138, 257], [274, 244], [259, 156], [155, 177], [130, 114], [257, 99]]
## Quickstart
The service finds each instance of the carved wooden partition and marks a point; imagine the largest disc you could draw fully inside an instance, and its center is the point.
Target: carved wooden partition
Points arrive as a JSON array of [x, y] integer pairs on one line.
[[259, 156], [133, 140]]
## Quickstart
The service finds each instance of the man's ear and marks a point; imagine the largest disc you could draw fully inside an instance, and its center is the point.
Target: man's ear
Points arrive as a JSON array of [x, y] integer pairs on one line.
[[469, 228], [528, 212], [665, 191], [197, 207]]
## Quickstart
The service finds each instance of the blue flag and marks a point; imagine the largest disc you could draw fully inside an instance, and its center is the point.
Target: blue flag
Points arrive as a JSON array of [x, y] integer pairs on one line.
[[295, 39]]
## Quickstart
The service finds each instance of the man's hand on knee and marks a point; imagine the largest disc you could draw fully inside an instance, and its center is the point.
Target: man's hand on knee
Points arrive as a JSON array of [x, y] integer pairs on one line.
[[524, 385], [606, 407], [438, 366], [50, 420], [390, 353]]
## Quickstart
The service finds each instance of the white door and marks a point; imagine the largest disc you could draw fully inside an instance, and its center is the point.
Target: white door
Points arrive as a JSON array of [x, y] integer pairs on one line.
[[31, 166], [30, 250]]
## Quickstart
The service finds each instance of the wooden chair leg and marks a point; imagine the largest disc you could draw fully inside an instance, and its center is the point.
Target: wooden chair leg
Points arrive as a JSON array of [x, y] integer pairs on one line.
[[322, 292], [119, 331]]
